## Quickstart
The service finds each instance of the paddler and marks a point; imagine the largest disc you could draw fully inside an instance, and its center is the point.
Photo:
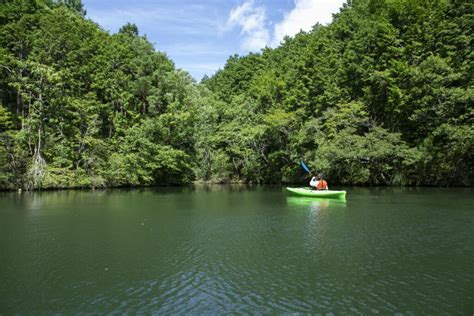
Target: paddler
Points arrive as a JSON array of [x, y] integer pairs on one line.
[[314, 182], [321, 183]]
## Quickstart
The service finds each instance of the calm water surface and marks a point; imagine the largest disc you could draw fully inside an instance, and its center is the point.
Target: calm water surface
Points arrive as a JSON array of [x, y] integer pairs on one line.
[[224, 249]]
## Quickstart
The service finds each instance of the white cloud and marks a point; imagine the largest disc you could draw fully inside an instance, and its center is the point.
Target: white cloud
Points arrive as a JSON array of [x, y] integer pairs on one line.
[[189, 20], [252, 21], [304, 16], [206, 67], [195, 49]]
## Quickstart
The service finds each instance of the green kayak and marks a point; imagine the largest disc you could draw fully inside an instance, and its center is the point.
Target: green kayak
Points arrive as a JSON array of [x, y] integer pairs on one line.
[[315, 193]]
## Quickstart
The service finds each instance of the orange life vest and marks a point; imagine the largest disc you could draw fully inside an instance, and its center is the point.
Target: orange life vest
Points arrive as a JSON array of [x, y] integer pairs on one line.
[[322, 185]]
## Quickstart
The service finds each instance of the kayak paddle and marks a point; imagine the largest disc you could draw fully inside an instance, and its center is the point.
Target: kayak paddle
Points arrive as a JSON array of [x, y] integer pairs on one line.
[[305, 167]]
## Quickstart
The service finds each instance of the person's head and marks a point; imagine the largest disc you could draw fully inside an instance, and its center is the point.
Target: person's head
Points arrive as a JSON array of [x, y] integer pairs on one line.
[[321, 176]]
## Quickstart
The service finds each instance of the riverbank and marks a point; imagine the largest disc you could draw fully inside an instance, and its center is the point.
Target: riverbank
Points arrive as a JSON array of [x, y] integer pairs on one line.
[[201, 184]]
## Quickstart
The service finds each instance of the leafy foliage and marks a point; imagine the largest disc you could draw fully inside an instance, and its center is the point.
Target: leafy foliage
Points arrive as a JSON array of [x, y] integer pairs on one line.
[[382, 95]]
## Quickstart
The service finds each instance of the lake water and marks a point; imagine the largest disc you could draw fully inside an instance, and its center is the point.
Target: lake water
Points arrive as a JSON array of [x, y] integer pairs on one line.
[[222, 249]]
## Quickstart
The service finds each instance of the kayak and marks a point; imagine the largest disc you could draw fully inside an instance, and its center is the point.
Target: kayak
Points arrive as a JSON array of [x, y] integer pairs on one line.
[[317, 193]]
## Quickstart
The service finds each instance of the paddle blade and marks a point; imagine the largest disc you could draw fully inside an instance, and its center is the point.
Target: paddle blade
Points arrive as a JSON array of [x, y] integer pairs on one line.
[[305, 167]]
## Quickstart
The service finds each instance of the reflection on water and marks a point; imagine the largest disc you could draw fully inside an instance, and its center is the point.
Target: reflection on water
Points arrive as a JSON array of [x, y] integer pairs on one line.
[[316, 203]]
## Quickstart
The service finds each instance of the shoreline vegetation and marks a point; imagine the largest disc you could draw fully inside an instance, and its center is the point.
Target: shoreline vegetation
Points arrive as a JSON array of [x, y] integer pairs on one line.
[[209, 185], [200, 184], [382, 96]]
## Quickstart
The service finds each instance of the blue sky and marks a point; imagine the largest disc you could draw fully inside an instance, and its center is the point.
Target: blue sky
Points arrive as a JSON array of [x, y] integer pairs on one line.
[[199, 36]]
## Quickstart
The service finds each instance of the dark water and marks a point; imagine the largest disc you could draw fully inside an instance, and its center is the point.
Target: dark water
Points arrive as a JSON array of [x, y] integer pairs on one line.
[[236, 249]]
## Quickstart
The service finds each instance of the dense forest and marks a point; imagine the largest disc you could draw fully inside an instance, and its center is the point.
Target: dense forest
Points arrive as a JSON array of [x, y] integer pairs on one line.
[[383, 95]]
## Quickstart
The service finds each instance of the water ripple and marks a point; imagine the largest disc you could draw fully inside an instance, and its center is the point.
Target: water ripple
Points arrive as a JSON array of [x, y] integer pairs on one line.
[[241, 251]]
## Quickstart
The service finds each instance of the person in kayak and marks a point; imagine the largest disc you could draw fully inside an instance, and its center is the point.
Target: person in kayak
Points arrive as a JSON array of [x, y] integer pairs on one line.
[[314, 182], [322, 184]]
